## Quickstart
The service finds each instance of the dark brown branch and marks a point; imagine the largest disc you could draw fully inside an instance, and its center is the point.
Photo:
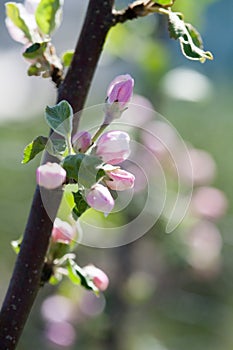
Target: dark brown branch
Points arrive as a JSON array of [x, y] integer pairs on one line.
[[26, 278]]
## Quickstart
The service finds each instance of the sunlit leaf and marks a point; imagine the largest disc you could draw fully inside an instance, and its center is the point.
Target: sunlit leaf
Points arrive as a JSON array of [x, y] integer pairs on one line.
[[55, 279], [67, 58], [13, 12], [164, 3], [46, 15], [79, 277], [16, 245], [35, 147]]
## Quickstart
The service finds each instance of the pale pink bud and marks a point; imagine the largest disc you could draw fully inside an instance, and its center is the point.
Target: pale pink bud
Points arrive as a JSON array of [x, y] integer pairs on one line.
[[99, 198], [113, 147], [120, 180], [99, 278], [62, 232], [120, 90], [50, 175], [81, 141]]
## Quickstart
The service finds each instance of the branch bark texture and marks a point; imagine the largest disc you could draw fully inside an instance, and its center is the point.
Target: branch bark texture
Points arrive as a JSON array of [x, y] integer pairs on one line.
[[26, 279]]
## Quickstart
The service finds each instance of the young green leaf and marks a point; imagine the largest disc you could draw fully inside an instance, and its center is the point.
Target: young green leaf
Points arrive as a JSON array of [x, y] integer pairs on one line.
[[46, 15], [67, 58], [190, 40], [80, 205], [59, 249], [35, 147], [59, 118], [35, 50], [13, 12], [79, 277], [16, 245], [35, 69], [55, 279], [164, 3]]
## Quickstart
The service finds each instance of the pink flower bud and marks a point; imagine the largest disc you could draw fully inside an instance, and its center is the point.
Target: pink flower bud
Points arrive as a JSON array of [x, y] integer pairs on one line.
[[120, 180], [120, 90], [99, 278], [81, 141], [100, 198], [113, 147], [50, 175], [62, 232]]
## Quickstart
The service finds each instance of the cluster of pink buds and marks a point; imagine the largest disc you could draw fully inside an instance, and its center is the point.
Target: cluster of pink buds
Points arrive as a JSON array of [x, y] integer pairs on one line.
[[113, 148]]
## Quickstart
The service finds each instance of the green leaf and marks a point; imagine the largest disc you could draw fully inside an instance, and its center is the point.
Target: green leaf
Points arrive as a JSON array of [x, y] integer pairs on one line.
[[190, 40], [194, 53], [55, 279], [195, 35], [82, 168], [67, 58], [80, 205], [16, 245], [78, 276], [59, 249], [176, 26], [13, 12], [56, 147], [164, 3], [73, 276], [59, 118], [35, 69], [46, 15], [35, 50], [35, 147]]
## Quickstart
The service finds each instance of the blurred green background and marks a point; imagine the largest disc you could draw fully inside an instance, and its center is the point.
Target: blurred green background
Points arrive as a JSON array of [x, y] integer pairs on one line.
[[158, 298]]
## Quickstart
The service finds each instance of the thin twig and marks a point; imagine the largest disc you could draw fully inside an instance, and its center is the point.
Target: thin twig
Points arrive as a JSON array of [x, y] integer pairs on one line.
[[139, 9]]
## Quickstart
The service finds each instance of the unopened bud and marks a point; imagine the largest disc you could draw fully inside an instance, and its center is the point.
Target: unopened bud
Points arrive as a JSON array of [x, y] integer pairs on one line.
[[81, 141], [120, 180], [50, 175], [113, 147], [62, 232], [99, 278], [100, 199]]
